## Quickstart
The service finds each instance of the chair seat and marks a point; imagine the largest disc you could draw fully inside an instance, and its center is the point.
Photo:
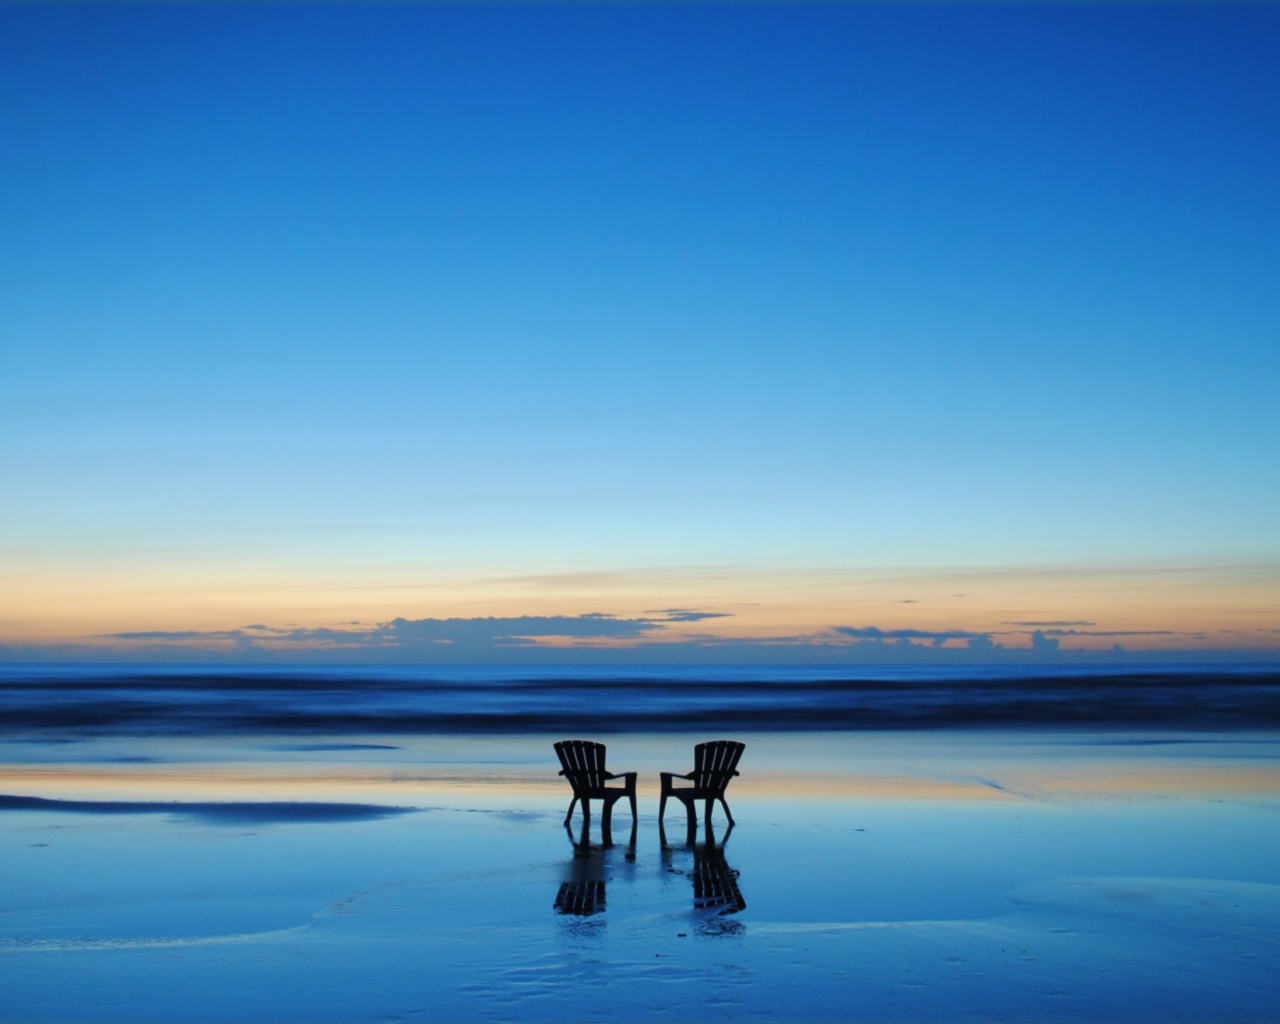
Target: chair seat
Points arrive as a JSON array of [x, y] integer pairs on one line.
[[604, 792]]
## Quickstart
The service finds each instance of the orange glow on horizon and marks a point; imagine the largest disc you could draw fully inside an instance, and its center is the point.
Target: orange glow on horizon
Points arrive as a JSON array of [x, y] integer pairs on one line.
[[1140, 606]]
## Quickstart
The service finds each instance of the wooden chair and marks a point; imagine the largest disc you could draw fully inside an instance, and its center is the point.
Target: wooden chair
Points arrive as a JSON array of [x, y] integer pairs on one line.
[[714, 764], [583, 766]]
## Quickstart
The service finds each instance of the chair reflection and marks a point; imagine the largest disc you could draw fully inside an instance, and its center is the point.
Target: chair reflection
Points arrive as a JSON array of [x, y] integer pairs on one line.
[[716, 891], [715, 884], [583, 890]]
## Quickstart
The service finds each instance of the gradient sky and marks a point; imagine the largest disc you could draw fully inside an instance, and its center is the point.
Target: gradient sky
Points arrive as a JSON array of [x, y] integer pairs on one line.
[[753, 327]]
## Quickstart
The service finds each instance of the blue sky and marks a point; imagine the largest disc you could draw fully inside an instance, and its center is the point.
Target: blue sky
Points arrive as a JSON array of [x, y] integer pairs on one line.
[[318, 314]]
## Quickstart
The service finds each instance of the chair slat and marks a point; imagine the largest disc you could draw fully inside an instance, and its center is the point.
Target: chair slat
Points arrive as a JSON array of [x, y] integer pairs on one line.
[[584, 764], [714, 763]]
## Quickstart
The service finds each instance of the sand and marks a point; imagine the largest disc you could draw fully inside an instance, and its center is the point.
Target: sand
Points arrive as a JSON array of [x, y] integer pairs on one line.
[[891, 876]]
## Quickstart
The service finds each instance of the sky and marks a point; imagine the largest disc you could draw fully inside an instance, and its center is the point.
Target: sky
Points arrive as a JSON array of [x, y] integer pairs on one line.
[[644, 332]]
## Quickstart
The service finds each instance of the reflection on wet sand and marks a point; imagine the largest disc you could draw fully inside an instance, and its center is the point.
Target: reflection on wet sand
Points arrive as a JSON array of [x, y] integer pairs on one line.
[[477, 771], [716, 889], [715, 884], [581, 897], [717, 893], [217, 813], [121, 903], [582, 891]]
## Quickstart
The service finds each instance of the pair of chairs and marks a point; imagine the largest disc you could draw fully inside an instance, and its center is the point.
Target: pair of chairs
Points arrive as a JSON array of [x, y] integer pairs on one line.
[[583, 765]]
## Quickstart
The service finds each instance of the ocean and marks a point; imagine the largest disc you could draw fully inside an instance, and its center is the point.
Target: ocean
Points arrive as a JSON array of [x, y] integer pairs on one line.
[[120, 700], [220, 844]]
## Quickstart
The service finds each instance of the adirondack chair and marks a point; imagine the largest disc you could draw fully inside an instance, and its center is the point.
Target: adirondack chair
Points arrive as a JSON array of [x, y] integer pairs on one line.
[[583, 766], [714, 764]]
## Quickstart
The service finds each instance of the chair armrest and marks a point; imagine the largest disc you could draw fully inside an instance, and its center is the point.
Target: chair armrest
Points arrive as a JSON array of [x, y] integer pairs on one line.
[[621, 775], [676, 775]]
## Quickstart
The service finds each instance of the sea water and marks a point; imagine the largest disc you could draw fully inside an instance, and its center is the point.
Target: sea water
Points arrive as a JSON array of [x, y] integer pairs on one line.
[[266, 845]]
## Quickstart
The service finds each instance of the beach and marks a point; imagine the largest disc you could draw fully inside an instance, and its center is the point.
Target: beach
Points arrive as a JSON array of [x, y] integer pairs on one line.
[[889, 875], [392, 390]]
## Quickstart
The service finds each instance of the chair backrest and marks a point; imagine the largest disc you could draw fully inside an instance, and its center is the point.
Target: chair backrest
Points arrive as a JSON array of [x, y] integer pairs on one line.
[[582, 763], [714, 764]]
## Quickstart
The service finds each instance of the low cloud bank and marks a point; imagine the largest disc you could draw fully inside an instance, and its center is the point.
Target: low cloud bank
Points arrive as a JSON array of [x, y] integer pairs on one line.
[[661, 636], [484, 632]]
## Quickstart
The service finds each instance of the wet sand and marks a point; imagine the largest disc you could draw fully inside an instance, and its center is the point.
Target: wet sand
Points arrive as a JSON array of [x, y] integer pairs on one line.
[[893, 876]]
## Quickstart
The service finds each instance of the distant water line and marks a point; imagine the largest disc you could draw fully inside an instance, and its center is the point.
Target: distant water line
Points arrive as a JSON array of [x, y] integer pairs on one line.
[[76, 700]]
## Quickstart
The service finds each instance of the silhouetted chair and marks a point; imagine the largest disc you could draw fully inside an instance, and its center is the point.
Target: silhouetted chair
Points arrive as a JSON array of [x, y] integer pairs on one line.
[[714, 764], [583, 766]]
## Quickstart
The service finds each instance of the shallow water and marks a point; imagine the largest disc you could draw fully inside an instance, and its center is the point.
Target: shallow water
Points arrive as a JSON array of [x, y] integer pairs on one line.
[[885, 876]]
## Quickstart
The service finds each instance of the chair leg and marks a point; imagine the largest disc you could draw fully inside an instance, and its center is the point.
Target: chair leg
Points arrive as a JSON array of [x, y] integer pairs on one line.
[[710, 804], [632, 796], [569, 816], [662, 809], [727, 813], [606, 820]]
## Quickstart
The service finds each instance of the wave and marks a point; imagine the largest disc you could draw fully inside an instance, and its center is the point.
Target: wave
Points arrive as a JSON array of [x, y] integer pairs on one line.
[[75, 700]]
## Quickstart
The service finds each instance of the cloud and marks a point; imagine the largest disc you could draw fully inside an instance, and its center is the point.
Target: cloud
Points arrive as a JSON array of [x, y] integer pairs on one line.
[[1041, 644], [1063, 622], [647, 577], [186, 634], [595, 625], [401, 632], [939, 637], [685, 615], [476, 637], [1043, 641], [659, 635], [1111, 632]]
